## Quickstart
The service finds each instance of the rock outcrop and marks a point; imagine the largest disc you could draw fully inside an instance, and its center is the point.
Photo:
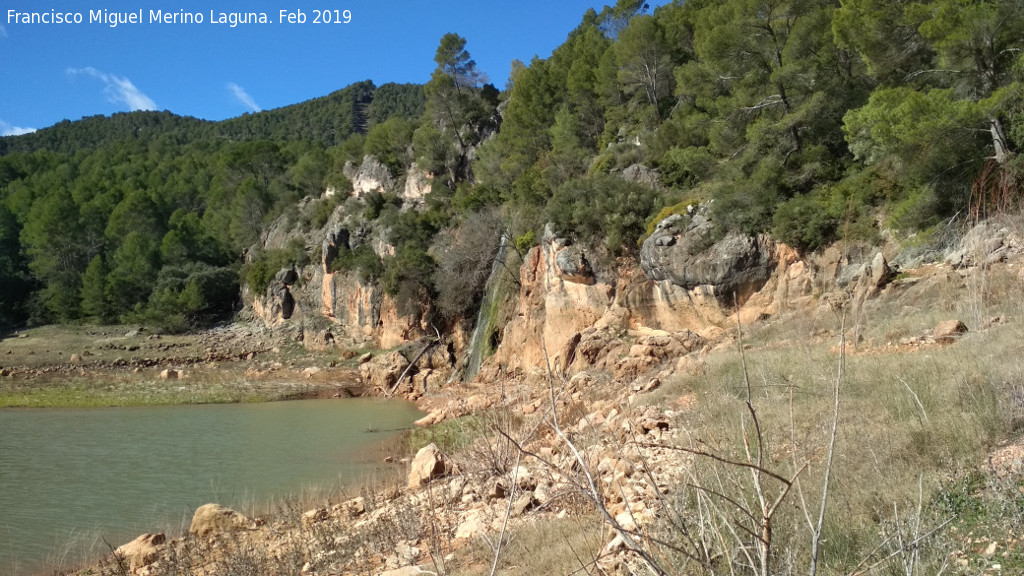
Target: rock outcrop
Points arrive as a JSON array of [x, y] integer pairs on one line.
[[417, 185], [371, 176], [681, 250], [986, 244], [142, 551], [555, 304], [316, 299]]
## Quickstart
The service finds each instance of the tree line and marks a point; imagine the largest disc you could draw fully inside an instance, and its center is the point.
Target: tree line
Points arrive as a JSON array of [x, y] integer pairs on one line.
[[815, 120]]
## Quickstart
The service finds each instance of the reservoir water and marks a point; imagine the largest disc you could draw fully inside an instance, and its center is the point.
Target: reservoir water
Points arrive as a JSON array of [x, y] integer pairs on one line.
[[115, 473]]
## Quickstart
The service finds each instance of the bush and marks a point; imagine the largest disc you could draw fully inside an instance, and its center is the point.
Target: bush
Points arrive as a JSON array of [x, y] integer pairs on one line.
[[406, 276], [465, 256], [603, 207], [362, 260], [685, 167], [266, 264], [804, 222], [190, 295], [322, 211]]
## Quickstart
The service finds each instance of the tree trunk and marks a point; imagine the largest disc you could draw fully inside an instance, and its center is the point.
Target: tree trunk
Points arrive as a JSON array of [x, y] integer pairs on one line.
[[1002, 148]]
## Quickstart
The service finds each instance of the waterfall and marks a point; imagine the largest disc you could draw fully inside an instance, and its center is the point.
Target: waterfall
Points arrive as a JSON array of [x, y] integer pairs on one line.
[[475, 354]]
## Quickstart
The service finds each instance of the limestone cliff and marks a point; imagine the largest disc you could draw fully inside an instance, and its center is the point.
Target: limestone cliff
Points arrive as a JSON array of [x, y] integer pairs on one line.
[[325, 307], [684, 291]]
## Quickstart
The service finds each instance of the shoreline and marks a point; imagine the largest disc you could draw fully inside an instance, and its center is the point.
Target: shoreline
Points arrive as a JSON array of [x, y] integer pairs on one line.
[[117, 366]]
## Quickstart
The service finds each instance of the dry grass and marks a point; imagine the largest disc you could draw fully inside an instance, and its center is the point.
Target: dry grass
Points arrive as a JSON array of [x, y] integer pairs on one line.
[[554, 546], [914, 421]]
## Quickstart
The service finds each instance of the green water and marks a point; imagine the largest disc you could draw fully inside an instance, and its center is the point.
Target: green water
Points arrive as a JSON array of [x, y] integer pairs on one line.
[[79, 474]]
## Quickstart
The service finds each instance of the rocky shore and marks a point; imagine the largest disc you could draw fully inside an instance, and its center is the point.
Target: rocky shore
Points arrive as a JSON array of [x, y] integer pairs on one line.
[[595, 416]]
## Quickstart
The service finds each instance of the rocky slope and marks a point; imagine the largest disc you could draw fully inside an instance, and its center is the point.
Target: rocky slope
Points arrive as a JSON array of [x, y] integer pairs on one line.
[[569, 426]]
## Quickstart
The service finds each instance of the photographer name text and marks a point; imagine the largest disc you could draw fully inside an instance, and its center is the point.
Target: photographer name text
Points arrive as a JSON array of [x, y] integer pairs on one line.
[[141, 16]]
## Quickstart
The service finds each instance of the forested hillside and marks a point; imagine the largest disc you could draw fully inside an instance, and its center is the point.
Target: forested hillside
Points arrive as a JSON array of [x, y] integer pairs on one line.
[[814, 120]]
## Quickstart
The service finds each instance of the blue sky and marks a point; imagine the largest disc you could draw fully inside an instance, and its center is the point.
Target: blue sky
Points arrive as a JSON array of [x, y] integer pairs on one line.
[[52, 72]]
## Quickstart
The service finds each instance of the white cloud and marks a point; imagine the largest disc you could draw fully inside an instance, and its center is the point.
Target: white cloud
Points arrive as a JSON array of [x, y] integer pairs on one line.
[[8, 130], [118, 90], [243, 97]]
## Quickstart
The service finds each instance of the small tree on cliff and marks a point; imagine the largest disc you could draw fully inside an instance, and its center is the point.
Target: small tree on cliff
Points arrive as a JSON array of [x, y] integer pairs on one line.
[[458, 110]]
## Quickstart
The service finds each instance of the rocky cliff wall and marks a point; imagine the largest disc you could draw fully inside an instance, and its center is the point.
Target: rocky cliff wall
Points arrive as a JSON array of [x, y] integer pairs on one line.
[[686, 285], [686, 288]]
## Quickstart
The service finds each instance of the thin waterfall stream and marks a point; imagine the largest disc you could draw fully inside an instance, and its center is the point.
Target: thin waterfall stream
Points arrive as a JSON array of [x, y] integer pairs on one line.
[[475, 355]]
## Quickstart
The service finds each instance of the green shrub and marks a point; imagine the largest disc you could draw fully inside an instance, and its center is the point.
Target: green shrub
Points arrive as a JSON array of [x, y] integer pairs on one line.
[[363, 260], [603, 208], [266, 264], [526, 241], [322, 210], [804, 222], [190, 295], [686, 167]]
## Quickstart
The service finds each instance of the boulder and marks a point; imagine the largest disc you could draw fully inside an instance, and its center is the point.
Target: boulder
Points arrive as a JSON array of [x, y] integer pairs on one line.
[[428, 464], [212, 520], [318, 340], [383, 371], [470, 527], [573, 266], [871, 277], [430, 419], [949, 331], [142, 551], [356, 506], [169, 374], [986, 243], [641, 174], [524, 503], [286, 276], [312, 517], [75, 359], [678, 251]]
